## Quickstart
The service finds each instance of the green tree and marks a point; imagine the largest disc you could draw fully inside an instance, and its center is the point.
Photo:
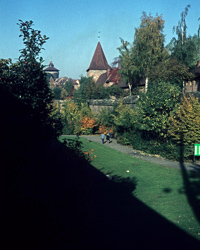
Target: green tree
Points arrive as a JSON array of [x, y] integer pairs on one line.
[[149, 44], [155, 108], [80, 95], [57, 93], [116, 91], [69, 87], [128, 69], [147, 50], [26, 79], [89, 90], [184, 48], [184, 123], [171, 70]]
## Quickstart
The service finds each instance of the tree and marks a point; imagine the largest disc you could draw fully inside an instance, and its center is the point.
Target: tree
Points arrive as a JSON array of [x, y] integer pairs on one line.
[[116, 91], [184, 123], [146, 51], [26, 79], [89, 90], [69, 87], [155, 108], [57, 93], [79, 95], [128, 70], [171, 70], [184, 48], [149, 44]]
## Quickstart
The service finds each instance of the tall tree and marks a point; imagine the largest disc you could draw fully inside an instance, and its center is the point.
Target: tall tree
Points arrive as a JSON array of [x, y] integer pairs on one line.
[[128, 71], [69, 87], [148, 45], [147, 50], [184, 48], [26, 79]]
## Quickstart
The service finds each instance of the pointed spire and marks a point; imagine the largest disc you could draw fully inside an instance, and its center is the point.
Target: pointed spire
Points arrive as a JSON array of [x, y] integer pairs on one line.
[[99, 61], [51, 64]]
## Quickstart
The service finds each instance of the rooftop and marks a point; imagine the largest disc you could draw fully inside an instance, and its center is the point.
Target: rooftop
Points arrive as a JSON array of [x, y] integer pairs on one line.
[[99, 61]]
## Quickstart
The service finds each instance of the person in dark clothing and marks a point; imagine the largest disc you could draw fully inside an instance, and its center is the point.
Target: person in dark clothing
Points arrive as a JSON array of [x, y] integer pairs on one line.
[[108, 136]]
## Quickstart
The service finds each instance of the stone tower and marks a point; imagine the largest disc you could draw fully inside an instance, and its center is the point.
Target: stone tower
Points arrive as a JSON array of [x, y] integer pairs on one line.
[[53, 71], [99, 64]]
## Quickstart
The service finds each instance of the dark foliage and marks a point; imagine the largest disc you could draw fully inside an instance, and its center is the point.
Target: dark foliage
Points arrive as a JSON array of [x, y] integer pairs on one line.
[[53, 199]]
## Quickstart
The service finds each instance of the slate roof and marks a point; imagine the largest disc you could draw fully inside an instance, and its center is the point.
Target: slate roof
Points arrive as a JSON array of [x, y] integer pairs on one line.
[[51, 67], [102, 79], [99, 61]]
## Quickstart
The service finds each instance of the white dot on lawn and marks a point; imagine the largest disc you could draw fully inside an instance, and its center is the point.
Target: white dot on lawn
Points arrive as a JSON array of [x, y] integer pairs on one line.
[[127, 171]]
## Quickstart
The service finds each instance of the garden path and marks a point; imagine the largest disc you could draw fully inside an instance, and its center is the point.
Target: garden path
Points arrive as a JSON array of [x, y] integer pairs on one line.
[[147, 157]]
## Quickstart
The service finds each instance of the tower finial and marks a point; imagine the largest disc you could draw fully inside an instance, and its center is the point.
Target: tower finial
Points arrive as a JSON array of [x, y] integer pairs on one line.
[[98, 35]]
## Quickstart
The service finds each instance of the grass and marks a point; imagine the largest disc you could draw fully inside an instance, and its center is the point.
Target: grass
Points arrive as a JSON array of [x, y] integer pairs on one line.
[[161, 188]]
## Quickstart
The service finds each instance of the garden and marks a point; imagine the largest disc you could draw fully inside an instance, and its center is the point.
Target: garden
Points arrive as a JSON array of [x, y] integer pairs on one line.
[[56, 193], [172, 193]]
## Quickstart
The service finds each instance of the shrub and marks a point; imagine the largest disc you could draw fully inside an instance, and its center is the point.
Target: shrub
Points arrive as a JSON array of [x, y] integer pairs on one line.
[[88, 125], [184, 126], [105, 118], [77, 146], [124, 119], [155, 108]]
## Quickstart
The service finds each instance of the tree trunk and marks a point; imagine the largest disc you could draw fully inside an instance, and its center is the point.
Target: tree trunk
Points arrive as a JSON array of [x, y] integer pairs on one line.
[[130, 87], [146, 84]]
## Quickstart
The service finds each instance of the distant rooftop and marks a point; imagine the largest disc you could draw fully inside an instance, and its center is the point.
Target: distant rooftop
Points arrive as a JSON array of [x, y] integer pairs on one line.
[[99, 61], [51, 67]]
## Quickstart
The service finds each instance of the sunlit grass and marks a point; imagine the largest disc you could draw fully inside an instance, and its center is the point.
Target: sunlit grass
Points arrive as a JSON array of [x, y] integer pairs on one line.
[[158, 187]]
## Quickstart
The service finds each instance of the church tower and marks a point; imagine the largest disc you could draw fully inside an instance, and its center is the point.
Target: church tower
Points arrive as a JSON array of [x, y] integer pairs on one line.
[[99, 64], [53, 71]]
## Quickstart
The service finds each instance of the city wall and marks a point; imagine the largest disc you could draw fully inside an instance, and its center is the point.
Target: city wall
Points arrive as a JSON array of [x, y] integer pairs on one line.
[[98, 105]]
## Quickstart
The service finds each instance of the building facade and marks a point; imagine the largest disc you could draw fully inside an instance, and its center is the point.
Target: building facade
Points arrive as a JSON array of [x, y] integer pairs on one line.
[[52, 70]]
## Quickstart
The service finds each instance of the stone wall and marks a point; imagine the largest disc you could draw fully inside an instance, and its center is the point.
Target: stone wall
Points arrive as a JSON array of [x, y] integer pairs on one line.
[[98, 105]]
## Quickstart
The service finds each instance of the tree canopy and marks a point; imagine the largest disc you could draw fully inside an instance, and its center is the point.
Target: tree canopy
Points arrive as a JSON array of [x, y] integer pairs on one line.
[[146, 51], [26, 79]]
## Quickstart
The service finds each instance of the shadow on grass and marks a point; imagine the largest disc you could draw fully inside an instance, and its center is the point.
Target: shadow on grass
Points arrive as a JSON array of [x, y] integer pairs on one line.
[[191, 182], [51, 199]]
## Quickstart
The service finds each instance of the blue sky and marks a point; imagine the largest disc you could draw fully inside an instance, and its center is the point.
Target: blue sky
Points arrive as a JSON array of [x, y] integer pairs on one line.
[[73, 27]]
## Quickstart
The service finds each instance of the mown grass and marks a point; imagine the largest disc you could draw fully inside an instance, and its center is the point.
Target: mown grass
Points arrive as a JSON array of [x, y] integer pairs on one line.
[[160, 188]]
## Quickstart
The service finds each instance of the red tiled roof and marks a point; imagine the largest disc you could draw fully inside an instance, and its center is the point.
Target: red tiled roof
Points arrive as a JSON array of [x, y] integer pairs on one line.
[[99, 61], [112, 77]]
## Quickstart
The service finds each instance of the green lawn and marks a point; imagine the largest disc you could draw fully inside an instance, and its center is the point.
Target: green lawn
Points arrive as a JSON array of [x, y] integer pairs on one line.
[[161, 188]]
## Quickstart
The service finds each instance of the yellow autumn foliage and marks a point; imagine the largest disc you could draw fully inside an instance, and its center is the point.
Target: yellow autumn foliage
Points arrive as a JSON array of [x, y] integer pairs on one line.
[[185, 123]]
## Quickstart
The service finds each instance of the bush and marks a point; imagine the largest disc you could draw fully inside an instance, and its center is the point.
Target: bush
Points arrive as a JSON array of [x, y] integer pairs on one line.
[[155, 108], [184, 127], [88, 125]]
